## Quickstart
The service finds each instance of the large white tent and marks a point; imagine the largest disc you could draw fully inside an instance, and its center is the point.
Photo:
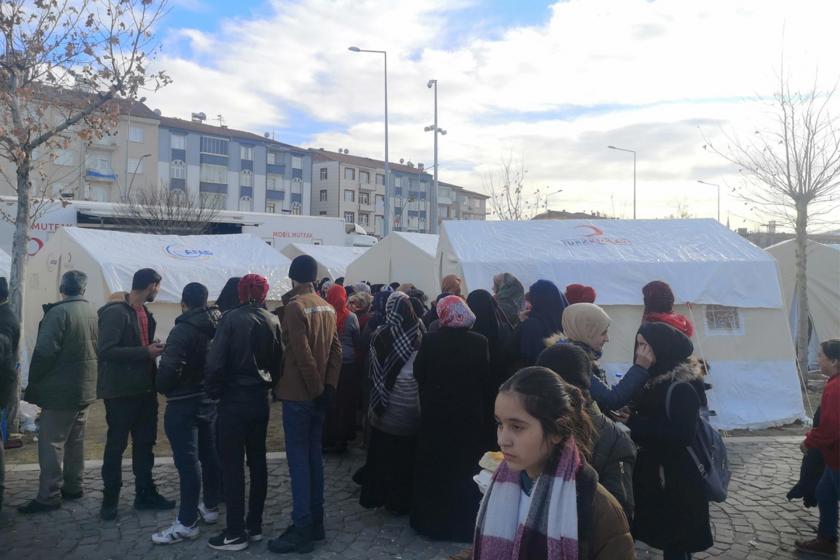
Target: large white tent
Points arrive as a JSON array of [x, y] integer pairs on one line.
[[332, 260], [111, 258], [729, 287], [823, 288], [399, 257]]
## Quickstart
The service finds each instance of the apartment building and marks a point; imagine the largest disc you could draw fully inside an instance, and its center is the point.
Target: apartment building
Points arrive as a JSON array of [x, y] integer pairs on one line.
[[353, 187], [233, 169]]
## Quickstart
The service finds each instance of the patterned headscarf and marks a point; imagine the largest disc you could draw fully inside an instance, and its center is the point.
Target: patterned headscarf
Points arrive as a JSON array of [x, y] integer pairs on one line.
[[455, 313], [253, 288], [510, 295]]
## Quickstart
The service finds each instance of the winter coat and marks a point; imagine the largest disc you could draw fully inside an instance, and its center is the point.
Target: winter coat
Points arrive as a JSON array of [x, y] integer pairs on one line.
[[450, 369], [810, 473], [8, 370], [530, 340], [125, 366], [615, 397], [603, 531], [62, 374], [350, 339], [826, 436], [10, 329], [9, 325], [613, 457], [181, 370], [672, 511], [245, 353], [312, 356]]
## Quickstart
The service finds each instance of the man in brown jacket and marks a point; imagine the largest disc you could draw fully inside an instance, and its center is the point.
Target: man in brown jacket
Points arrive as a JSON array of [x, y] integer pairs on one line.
[[311, 364]]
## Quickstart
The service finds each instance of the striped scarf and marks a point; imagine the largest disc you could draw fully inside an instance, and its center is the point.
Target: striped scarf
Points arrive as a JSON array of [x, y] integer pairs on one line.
[[550, 530], [390, 348]]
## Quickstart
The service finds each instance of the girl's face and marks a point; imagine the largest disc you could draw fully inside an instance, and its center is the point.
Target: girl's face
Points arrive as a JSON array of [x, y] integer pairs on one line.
[[598, 343], [521, 437], [827, 367]]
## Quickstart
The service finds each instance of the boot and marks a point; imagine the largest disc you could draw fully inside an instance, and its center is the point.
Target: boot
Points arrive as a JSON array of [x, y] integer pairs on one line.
[[151, 499], [294, 539], [318, 533], [110, 503], [821, 546]]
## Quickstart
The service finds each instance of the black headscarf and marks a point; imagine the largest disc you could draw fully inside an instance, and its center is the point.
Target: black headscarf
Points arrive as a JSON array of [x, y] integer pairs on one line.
[[484, 307], [229, 297], [670, 346], [547, 304]]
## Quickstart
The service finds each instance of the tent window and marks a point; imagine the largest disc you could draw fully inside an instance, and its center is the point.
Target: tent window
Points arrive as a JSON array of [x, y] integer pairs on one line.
[[723, 320]]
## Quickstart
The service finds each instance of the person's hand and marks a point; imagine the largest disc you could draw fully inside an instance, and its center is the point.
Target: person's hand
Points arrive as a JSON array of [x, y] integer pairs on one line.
[[620, 415], [802, 447], [644, 355], [155, 349]]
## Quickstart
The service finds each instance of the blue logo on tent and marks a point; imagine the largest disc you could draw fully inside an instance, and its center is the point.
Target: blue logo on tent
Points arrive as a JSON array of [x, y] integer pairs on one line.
[[187, 252]]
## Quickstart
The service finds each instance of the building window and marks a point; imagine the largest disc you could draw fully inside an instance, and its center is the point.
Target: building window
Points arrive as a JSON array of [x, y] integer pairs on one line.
[[349, 196], [350, 217], [213, 200], [217, 146], [364, 219], [270, 207], [378, 222], [322, 213], [380, 202], [364, 198], [246, 152], [246, 204], [323, 173], [723, 320], [246, 178], [297, 162], [412, 184], [274, 158], [398, 191], [380, 179], [296, 210], [135, 165], [179, 142], [211, 173], [274, 182], [364, 177], [397, 181], [297, 198], [135, 133], [177, 170], [323, 195], [349, 173]]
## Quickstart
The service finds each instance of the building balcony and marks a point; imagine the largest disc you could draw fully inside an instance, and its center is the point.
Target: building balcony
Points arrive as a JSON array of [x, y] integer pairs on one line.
[[104, 176], [370, 187], [366, 207], [107, 143]]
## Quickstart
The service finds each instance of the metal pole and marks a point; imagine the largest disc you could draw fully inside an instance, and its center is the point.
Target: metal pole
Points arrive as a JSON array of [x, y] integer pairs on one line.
[[433, 211], [386, 227], [634, 185]]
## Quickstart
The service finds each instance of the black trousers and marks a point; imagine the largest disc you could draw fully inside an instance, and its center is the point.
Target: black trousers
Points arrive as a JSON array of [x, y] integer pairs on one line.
[[243, 427], [136, 416]]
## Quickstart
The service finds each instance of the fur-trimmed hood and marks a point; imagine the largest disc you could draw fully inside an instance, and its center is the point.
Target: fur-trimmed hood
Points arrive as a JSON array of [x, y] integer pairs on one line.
[[656, 388]]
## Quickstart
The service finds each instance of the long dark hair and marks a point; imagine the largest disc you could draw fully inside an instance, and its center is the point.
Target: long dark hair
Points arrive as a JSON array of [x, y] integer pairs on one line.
[[229, 297], [559, 407]]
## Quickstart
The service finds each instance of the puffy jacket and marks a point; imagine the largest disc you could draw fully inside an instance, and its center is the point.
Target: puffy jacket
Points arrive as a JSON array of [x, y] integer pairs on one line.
[[125, 366], [62, 374], [246, 352], [312, 348], [181, 370], [826, 436], [613, 457]]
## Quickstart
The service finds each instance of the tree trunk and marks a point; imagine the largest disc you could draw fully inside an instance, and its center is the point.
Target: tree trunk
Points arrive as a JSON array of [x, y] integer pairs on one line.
[[802, 319]]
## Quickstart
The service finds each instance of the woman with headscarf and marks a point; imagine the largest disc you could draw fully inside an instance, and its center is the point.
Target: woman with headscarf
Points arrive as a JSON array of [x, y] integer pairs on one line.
[[393, 412], [491, 322], [229, 297], [586, 325], [450, 369], [672, 511], [659, 308], [544, 320], [340, 423], [510, 295], [450, 285]]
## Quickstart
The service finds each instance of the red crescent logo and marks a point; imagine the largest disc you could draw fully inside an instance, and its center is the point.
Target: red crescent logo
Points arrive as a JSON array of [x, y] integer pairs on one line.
[[595, 231], [39, 243]]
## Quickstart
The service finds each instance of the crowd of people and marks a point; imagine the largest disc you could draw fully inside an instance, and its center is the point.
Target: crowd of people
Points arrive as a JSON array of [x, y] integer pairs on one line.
[[581, 468]]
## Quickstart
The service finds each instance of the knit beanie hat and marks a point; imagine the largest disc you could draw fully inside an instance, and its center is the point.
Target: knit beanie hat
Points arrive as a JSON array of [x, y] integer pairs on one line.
[[659, 297], [578, 293], [303, 269], [253, 287]]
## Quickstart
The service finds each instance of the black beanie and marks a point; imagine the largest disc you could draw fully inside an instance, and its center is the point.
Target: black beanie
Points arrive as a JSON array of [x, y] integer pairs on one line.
[[570, 362], [303, 269]]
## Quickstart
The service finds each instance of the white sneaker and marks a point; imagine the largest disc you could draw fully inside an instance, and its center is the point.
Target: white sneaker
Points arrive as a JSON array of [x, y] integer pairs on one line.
[[176, 533], [209, 516]]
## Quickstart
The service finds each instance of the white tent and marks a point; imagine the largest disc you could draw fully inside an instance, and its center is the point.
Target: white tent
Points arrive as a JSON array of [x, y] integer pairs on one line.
[[823, 288], [731, 285], [332, 259], [399, 257], [110, 258], [5, 264]]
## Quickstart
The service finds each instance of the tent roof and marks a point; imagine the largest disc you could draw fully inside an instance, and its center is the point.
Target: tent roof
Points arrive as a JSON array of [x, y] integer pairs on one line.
[[702, 260], [334, 258], [209, 259], [428, 242]]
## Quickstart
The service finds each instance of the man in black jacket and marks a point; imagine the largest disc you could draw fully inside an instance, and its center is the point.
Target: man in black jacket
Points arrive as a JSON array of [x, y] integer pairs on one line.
[[243, 362], [190, 417], [9, 335], [127, 354], [10, 328]]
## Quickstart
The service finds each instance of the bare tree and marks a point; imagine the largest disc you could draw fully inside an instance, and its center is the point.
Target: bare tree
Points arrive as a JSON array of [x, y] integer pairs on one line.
[[166, 211], [65, 67], [509, 195], [792, 173]]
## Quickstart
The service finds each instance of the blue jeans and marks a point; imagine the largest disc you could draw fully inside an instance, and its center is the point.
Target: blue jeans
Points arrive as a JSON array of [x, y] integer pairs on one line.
[[303, 425], [190, 425], [828, 497]]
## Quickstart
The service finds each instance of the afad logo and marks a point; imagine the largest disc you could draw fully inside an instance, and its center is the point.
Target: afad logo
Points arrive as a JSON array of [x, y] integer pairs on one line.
[[594, 236], [181, 252]]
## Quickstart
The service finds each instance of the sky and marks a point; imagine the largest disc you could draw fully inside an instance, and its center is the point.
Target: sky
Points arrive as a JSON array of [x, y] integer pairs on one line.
[[546, 85]]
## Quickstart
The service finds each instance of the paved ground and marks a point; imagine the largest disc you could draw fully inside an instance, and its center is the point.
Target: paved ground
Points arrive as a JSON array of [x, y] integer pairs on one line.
[[756, 523]]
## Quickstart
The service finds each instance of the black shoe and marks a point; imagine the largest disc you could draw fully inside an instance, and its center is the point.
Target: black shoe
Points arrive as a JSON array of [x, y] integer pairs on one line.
[[70, 496], [318, 533], [150, 499], [254, 535], [37, 507], [223, 541], [293, 539], [110, 504]]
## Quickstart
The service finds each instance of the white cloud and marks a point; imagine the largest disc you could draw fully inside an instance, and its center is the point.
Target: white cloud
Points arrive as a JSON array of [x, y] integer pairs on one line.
[[644, 75]]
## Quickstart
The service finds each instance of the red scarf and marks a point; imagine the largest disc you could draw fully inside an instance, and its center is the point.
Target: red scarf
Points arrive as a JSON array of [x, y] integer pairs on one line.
[[337, 297], [676, 320]]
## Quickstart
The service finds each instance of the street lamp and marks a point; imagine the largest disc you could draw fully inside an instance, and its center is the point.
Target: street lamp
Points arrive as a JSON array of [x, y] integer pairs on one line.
[[128, 137], [634, 174], [718, 194], [433, 213], [386, 226], [134, 174]]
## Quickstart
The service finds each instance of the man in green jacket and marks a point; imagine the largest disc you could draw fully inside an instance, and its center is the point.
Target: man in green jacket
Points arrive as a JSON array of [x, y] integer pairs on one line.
[[62, 381], [127, 354]]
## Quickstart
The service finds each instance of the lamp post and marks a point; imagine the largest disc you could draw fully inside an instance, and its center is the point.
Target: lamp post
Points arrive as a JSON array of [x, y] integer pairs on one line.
[[433, 213], [386, 226], [718, 194], [128, 140], [634, 174], [134, 174]]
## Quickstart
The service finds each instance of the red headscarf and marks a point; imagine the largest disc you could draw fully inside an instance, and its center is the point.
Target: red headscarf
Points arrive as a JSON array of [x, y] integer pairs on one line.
[[676, 320], [578, 293], [253, 287], [337, 297], [454, 312]]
